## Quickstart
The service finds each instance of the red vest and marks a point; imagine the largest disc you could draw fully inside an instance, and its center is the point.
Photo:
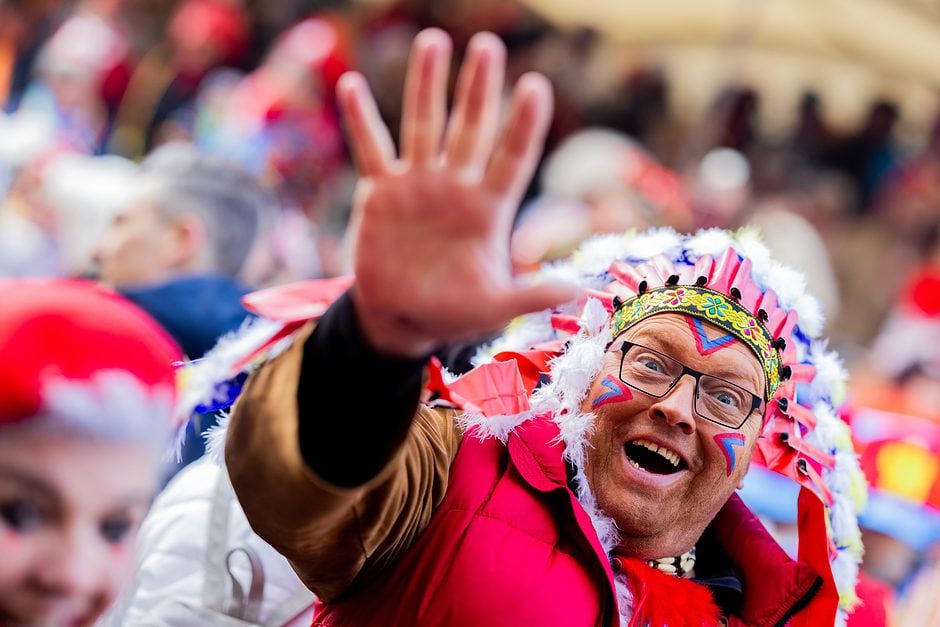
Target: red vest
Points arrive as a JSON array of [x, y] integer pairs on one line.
[[510, 546]]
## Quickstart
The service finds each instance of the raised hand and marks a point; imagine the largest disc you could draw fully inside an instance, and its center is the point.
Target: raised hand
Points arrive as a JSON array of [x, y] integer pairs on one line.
[[432, 225]]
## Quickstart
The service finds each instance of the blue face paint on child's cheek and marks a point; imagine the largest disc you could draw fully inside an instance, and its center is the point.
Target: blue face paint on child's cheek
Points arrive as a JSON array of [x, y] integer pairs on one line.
[[618, 392], [727, 443]]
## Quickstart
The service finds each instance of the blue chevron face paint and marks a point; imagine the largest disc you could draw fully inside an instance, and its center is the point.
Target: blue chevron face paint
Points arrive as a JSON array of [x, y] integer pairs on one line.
[[728, 443], [618, 392]]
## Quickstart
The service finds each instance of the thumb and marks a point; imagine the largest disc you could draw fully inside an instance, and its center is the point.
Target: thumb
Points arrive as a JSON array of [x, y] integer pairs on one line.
[[528, 299]]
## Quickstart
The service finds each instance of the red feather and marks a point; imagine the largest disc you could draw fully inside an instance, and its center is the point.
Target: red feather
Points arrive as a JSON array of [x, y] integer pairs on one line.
[[662, 599]]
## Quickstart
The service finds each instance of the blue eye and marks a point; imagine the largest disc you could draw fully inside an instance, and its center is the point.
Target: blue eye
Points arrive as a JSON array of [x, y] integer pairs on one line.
[[116, 530], [725, 399], [20, 515], [725, 395]]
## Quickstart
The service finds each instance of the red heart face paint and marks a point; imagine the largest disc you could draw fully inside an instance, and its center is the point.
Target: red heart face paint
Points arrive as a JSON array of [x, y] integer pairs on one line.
[[704, 345], [618, 392], [728, 443]]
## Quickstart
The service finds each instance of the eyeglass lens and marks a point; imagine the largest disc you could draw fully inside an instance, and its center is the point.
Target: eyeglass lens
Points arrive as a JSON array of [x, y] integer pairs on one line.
[[655, 374]]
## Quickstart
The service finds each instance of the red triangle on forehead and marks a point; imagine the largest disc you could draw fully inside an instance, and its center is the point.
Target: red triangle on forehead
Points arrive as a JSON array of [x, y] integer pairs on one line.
[[704, 344]]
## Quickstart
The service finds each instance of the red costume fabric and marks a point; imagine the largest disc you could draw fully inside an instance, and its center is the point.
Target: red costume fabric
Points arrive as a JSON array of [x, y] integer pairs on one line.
[[510, 539]]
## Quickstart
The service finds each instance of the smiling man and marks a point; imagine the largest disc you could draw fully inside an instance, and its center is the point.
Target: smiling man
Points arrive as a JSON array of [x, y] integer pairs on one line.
[[583, 473]]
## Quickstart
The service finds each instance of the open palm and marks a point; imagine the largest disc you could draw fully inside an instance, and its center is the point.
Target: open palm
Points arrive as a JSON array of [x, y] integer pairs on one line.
[[432, 225]]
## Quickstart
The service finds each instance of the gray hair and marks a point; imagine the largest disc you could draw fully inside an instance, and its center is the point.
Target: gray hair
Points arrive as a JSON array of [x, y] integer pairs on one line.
[[230, 202]]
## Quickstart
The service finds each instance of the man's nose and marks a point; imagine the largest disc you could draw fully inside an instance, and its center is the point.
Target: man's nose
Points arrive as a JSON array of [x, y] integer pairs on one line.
[[677, 407]]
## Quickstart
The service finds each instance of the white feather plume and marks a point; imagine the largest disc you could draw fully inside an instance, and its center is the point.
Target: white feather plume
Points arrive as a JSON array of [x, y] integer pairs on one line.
[[498, 426], [709, 242], [648, 244], [789, 284], [595, 254]]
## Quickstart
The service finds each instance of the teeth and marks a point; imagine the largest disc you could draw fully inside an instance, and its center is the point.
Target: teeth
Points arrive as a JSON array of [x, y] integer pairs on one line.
[[670, 456]]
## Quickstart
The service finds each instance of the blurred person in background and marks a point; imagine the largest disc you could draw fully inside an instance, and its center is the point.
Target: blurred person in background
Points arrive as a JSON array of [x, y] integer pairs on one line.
[[596, 181], [81, 74], [908, 204], [721, 188], [178, 247], [870, 155], [58, 203], [797, 243], [894, 411], [280, 122], [85, 423], [83, 194], [28, 246], [200, 36], [25, 25], [906, 351], [601, 181]]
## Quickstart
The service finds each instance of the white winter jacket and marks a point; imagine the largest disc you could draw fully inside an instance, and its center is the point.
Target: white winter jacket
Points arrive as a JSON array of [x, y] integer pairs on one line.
[[200, 563]]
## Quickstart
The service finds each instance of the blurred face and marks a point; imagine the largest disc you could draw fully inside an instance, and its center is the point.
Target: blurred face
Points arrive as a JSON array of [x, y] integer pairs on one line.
[[656, 466], [137, 246], [69, 513]]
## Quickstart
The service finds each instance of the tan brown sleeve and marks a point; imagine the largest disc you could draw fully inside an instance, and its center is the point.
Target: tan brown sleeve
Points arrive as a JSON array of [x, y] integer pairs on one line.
[[331, 535]]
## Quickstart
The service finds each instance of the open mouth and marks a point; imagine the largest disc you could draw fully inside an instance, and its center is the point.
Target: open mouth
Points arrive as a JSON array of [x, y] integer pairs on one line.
[[653, 458]]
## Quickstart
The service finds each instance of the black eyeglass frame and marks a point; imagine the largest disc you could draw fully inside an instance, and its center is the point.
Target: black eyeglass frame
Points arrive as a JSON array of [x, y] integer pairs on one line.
[[756, 401]]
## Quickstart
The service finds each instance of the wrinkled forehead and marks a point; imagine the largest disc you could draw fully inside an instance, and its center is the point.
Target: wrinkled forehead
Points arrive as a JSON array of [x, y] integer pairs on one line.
[[699, 344]]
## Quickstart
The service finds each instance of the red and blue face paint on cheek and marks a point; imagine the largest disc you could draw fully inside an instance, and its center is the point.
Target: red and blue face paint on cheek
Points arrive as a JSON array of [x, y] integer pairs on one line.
[[617, 392], [728, 443]]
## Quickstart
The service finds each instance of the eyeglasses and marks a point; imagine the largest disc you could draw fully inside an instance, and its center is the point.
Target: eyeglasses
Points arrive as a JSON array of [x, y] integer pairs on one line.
[[716, 400]]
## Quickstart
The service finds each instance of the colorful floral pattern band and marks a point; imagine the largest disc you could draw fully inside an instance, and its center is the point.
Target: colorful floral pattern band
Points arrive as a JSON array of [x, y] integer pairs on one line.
[[711, 306]]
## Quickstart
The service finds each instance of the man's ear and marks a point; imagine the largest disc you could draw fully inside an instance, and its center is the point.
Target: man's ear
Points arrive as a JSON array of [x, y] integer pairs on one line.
[[187, 241]]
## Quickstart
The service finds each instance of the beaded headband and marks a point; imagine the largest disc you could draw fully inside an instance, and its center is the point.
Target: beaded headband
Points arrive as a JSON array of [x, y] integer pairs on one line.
[[712, 307]]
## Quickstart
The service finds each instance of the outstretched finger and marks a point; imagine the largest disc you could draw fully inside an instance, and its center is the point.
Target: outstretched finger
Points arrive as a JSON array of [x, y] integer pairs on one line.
[[369, 140], [523, 300], [424, 109], [518, 153], [471, 131]]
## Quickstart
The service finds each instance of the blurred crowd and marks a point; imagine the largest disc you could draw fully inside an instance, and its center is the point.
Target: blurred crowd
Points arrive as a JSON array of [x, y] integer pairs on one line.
[[186, 152]]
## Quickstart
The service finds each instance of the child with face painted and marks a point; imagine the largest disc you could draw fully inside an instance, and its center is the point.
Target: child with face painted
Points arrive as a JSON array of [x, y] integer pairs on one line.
[[584, 472], [85, 421]]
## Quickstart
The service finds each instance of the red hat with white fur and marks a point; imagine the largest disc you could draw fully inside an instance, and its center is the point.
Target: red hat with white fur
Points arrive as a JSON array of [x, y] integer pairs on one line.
[[82, 357]]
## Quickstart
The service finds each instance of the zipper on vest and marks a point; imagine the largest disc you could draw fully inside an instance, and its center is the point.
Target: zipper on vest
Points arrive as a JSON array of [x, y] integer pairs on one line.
[[802, 602]]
